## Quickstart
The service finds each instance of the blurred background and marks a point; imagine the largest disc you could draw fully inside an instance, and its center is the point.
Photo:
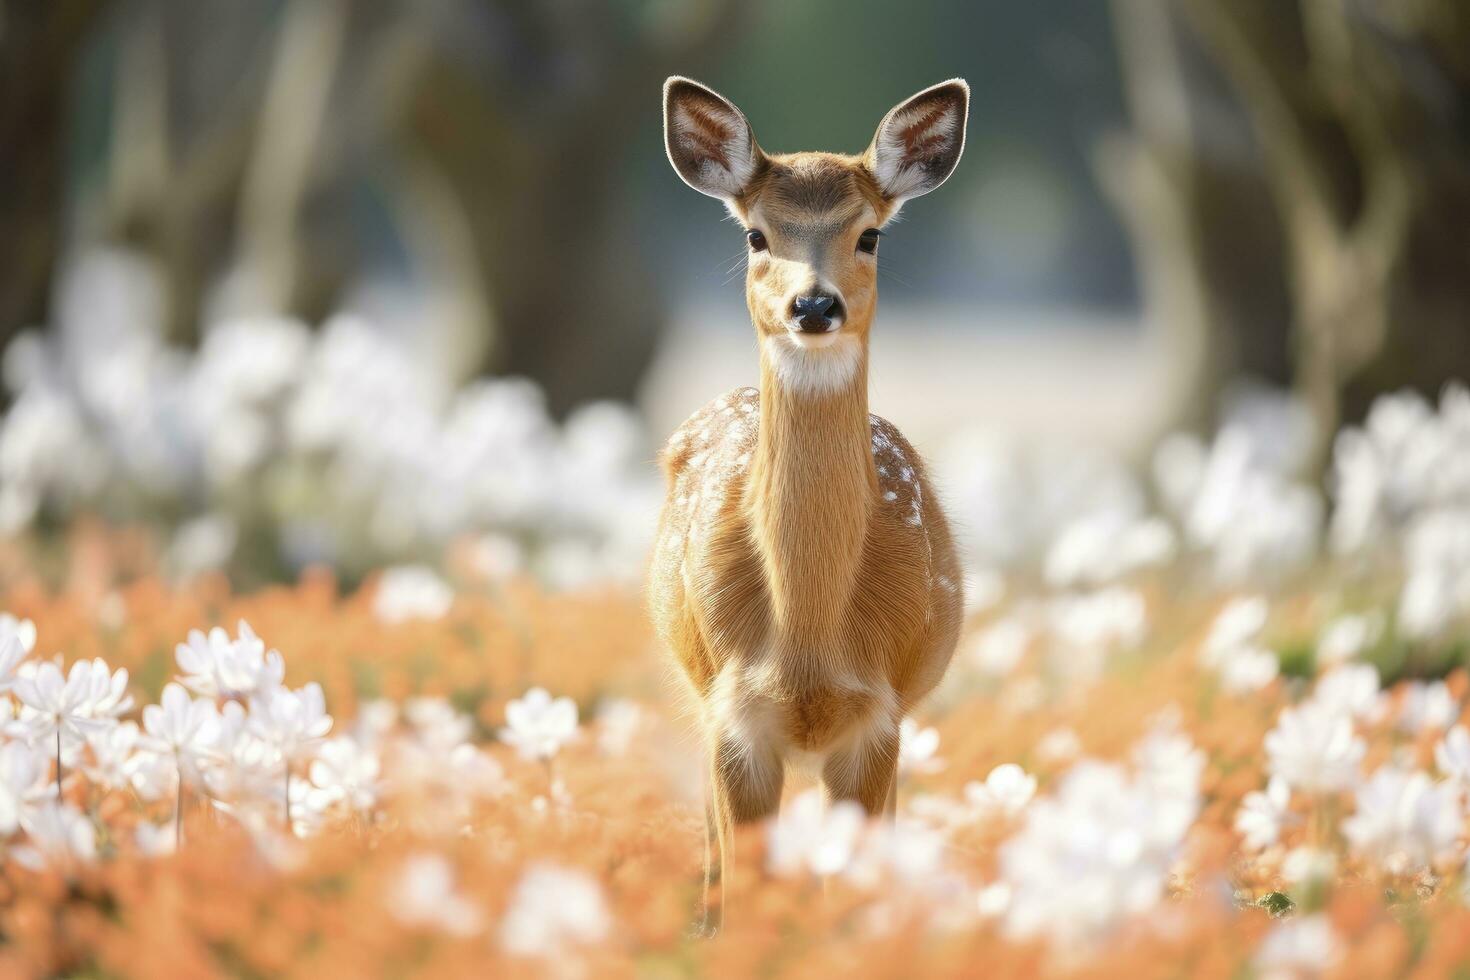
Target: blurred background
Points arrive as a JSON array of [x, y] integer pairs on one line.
[[301, 281]]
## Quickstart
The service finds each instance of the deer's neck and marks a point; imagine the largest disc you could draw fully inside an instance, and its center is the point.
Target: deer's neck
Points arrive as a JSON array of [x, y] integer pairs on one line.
[[812, 484]]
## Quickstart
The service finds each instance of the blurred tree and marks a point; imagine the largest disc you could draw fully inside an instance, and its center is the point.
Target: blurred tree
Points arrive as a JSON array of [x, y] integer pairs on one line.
[[271, 150], [40, 44], [538, 175], [1298, 186]]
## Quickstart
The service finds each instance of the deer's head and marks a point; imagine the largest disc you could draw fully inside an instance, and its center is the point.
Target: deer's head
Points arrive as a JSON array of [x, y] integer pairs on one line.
[[813, 220]]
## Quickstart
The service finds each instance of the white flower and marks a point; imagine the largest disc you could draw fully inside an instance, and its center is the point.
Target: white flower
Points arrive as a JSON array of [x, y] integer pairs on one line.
[[203, 544], [247, 762], [112, 754], [918, 748], [1263, 814], [253, 669], [408, 592], [1308, 865], [1099, 548], [940, 811], [1092, 855], [1346, 637], [51, 703], [12, 652], [1168, 764], [1314, 749], [22, 629], [1426, 604], [1404, 820], [156, 839], [310, 806], [1392, 468], [1428, 706], [213, 665], [376, 719], [551, 909], [809, 836], [347, 771], [993, 900], [1249, 669], [997, 648], [108, 695], [1005, 792], [179, 725], [1239, 623], [1296, 948], [903, 851], [22, 783], [152, 775], [1350, 690], [1090, 625], [58, 834], [437, 723], [425, 896], [1237, 505], [1452, 755], [1059, 745], [291, 722], [199, 659], [1436, 556], [475, 771], [1231, 649], [539, 726]]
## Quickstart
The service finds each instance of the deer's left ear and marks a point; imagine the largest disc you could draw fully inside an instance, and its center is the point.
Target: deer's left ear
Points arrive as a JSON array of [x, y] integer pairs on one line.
[[918, 144]]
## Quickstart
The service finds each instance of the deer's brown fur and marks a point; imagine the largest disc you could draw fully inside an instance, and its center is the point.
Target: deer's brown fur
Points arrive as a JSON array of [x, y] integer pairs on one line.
[[804, 578]]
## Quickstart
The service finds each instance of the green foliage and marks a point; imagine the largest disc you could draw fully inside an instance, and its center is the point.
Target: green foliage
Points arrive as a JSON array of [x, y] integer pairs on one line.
[[1298, 659], [1276, 904]]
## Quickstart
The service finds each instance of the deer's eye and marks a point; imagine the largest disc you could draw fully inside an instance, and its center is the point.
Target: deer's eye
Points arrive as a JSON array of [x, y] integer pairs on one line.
[[868, 241], [757, 241]]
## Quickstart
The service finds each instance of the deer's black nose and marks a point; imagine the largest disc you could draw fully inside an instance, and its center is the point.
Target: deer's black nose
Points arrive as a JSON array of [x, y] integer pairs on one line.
[[814, 313]]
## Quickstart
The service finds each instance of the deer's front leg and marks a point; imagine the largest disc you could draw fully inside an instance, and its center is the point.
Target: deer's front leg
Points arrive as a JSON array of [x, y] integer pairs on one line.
[[744, 787], [866, 770]]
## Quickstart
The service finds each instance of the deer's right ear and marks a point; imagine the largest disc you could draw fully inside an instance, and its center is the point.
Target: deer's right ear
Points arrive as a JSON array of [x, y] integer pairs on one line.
[[708, 140]]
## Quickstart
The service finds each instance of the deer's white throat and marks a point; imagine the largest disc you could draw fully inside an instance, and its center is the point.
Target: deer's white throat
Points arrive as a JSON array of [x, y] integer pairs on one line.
[[814, 363]]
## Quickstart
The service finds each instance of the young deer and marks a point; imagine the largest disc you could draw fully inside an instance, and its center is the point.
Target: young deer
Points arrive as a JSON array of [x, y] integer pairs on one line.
[[804, 576]]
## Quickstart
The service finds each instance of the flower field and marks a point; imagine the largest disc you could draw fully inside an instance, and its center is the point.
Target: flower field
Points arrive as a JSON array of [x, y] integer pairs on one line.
[[1207, 717], [1157, 814]]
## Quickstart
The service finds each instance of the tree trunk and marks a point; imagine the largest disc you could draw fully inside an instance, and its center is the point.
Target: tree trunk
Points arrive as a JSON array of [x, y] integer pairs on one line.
[[39, 47], [1359, 142]]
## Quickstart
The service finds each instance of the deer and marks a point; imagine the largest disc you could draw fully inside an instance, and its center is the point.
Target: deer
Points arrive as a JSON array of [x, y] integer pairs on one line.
[[804, 578]]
